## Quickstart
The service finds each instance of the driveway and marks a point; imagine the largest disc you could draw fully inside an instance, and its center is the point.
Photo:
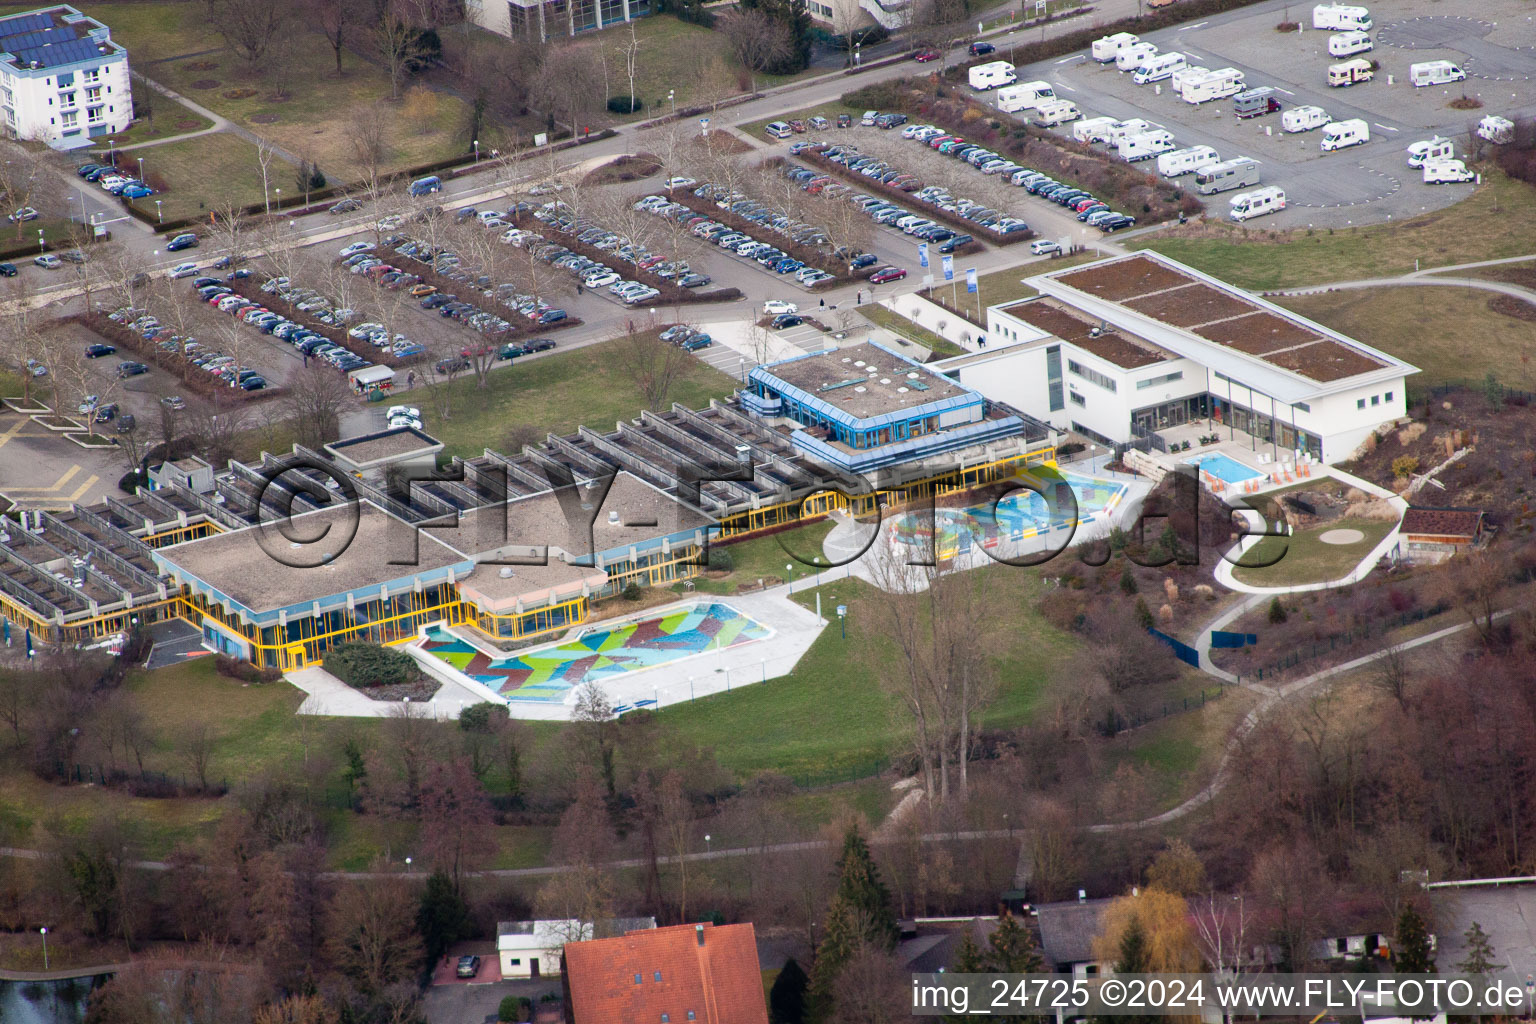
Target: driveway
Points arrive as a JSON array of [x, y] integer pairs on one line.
[[478, 1002]]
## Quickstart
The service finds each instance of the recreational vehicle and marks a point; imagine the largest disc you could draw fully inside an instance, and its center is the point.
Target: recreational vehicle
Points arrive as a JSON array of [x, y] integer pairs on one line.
[[1057, 112], [992, 75], [1341, 18], [1125, 129], [1187, 73], [1159, 67], [1130, 58], [1496, 129], [1343, 134], [1437, 148], [1434, 72], [1304, 119], [1229, 174], [1145, 145], [1215, 86], [1093, 129], [1349, 72], [1255, 102], [1182, 161], [1247, 205], [1347, 44], [1024, 96], [1107, 49], [1446, 171]]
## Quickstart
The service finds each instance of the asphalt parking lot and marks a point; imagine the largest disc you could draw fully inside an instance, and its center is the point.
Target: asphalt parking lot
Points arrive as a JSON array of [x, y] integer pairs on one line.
[[1362, 184]]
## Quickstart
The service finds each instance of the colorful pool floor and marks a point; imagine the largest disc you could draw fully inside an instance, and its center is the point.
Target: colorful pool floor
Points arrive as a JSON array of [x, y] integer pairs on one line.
[[550, 673], [1017, 516]]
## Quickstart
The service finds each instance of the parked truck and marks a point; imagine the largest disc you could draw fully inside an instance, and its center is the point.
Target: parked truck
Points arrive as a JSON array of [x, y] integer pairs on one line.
[[1230, 174], [1496, 129], [1343, 134], [1303, 119], [991, 75], [1108, 48], [1024, 96], [1341, 17], [1446, 171], [1255, 102], [1093, 129], [1052, 113], [1437, 148], [1183, 161], [1247, 205], [1350, 72], [1215, 86], [1434, 72]]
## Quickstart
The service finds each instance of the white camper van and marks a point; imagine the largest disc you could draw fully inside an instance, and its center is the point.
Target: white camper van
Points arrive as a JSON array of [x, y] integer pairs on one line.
[[1187, 73], [1435, 72], [1125, 129], [1247, 205], [1341, 18], [1303, 119], [1347, 44], [1107, 49], [1496, 129], [1057, 112], [1182, 161], [1145, 145], [1230, 174], [1343, 134], [1437, 148], [1159, 67], [1023, 96], [1093, 129], [1215, 86], [1130, 58], [992, 75], [1441, 172]]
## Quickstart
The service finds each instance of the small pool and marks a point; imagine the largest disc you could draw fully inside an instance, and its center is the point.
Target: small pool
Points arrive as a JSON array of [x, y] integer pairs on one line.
[[1224, 468], [1016, 517]]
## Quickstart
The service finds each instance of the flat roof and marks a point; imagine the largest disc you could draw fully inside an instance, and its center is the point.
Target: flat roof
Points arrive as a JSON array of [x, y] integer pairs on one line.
[[51, 37], [865, 380], [1106, 343], [369, 449], [239, 565], [532, 584]]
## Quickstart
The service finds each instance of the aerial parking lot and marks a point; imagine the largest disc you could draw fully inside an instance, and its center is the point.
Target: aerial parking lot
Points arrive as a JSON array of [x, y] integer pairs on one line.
[[1366, 183]]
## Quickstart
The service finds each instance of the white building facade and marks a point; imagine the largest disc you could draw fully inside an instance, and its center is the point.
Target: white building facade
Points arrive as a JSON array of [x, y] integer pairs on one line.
[[1128, 347], [543, 19], [63, 80]]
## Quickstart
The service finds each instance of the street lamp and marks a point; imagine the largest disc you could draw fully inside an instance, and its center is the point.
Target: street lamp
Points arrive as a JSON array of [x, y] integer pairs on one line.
[[141, 168], [42, 246], [476, 144], [407, 865], [789, 574], [279, 197], [44, 930], [706, 844], [672, 99], [159, 213], [842, 620]]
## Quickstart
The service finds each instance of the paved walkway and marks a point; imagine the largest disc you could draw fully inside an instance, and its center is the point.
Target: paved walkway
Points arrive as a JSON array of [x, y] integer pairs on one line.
[[330, 696], [220, 124]]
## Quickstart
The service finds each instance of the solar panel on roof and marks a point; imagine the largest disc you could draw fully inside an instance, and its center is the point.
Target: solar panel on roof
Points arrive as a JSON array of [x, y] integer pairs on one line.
[[59, 54], [25, 23]]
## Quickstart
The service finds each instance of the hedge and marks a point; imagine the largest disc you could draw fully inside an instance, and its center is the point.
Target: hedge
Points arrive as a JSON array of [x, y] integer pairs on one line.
[[625, 104], [807, 254], [362, 665], [335, 335], [196, 380]]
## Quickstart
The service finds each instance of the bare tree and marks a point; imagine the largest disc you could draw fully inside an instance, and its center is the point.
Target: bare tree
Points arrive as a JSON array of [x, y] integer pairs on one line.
[[1390, 674], [570, 87], [316, 396], [26, 182], [197, 742], [368, 140], [335, 18], [758, 40], [250, 27], [629, 53], [399, 45], [373, 932]]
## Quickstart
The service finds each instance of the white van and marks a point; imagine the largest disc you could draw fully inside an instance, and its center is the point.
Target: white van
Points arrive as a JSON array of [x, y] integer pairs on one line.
[[1094, 129], [1057, 112], [1496, 129], [1229, 174], [1343, 134], [1341, 18], [1215, 86], [992, 75], [1125, 129], [1437, 148], [1182, 161], [1435, 72], [1303, 119], [1145, 145], [1247, 205], [1107, 49], [1024, 96], [1442, 172], [1187, 73], [1347, 44], [1159, 67], [1130, 58]]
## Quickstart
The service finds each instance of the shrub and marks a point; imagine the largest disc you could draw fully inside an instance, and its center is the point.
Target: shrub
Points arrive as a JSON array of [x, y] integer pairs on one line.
[[1405, 466], [514, 1008], [363, 665], [1143, 614], [625, 105], [632, 592], [1276, 611], [481, 717], [1288, 26], [720, 560], [1127, 581]]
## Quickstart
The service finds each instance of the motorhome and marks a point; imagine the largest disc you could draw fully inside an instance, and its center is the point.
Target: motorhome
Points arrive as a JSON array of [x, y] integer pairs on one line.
[[1349, 72], [1145, 145], [1341, 18], [1214, 86], [1186, 73], [1107, 49], [1093, 129], [1125, 129], [1303, 119], [1434, 72], [1130, 58], [1159, 67], [1255, 102], [1229, 174], [1247, 205], [1057, 112], [1446, 171], [1496, 129], [1025, 96], [1347, 44], [1343, 134], [992, 75], [1182, 161], [1437, 148]]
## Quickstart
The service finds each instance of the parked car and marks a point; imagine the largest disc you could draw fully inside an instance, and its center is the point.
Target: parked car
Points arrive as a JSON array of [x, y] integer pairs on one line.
[[175, 403], [346, 206], [784, 320], [1044, 247], [99, 350], [186, 240], [7, 270], [181, 270], [773, 307], [981, 49], [48, 261], [468, 966], [926, 56], [23, 214], [131, 369], [887, 274]]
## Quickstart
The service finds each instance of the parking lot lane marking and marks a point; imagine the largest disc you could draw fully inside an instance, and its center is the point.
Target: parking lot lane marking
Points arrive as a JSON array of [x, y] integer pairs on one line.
[[57, 485], [15, 429], [90, 482], [1198, 24], [1067, 87], [1068, 60], [1384, 127], [1286, 91]]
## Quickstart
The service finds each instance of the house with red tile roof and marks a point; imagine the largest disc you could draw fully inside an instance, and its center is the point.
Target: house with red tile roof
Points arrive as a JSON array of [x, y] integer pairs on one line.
[[684, 974]]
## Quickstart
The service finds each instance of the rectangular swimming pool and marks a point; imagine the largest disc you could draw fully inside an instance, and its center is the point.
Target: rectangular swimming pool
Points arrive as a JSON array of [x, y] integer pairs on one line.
[[1223, 467]]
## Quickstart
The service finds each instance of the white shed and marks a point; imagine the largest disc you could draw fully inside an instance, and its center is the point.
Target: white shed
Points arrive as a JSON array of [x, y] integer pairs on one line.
[[531, 949]]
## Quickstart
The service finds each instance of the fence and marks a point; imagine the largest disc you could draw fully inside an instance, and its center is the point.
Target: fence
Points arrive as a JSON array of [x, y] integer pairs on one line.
[[850, 773], [1514, 396], [97, 775], [1311, 651], [1115, 723]]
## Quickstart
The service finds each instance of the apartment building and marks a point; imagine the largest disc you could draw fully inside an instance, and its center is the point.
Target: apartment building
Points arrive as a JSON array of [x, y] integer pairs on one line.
[[63, 80]]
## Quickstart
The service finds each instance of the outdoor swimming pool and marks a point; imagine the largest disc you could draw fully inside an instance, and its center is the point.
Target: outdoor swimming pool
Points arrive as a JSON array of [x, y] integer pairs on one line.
[[1223, 467], [1020, 515], [600, 653]]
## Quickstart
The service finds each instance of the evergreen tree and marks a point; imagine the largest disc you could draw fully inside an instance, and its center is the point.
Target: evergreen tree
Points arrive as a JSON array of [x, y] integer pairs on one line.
[[1133, 949], [968, 957], [1479, 953], [442, 916], [859, 914], [1412, 954], [786, 1000], [1013, 948]]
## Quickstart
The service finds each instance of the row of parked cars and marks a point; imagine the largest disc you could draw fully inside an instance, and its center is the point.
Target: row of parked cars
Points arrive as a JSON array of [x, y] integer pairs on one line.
[[109, 178], [594, 274], [360, 259], [880, 210], [226, 368], [738, 243], [756, 212], [690, 339], [478, 287]]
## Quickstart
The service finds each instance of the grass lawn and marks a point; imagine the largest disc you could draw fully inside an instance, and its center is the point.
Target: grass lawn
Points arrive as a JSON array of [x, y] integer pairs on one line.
[[555, 393], [1303, 558], [1431, 328], [1178, 754], [1497, 220], [1002, 286], [895, 322], [202, 174], [299, 104], [1052, 7], [170, 118], [763, 558]]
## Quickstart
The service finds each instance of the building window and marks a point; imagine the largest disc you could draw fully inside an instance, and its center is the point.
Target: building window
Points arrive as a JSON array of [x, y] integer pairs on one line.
[[66, 99], [92, 75], [1359, 403], [637, 979], [1375, 399], [66, 80], [1053, 377], [1389, 396], [514, 962], [69, 119], [1077, 399], [1091, 375], [1303, 406], [690, 1015], [665, 1019], [1152, 382], [657, 976], [92, 95]]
